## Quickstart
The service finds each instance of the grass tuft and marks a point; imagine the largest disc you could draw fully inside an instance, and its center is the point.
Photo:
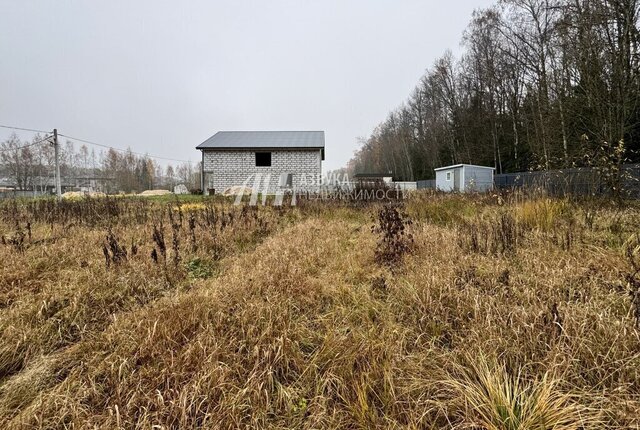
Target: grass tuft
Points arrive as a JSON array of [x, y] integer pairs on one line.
[[543, 213], [492, 398]]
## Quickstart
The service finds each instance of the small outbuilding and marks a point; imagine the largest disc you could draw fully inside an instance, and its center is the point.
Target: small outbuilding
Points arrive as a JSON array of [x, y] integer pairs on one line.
[[464, 178]]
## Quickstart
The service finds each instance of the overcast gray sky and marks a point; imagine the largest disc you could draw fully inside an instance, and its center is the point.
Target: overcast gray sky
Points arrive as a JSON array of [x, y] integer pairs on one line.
[[161, 77]]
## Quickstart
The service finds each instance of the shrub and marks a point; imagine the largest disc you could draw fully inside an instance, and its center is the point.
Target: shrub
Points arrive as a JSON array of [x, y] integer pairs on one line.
[[632, 252], [395, 241]]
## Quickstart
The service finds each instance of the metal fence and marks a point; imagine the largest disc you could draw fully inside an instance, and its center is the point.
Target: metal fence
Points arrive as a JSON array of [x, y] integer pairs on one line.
[[555, 182], [12, 194], [404, 185], [578, 181], [427, 184]]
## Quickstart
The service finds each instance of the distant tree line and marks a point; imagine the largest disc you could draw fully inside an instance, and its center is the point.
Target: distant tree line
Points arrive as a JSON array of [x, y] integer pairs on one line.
[[541, 84], [28, 165]]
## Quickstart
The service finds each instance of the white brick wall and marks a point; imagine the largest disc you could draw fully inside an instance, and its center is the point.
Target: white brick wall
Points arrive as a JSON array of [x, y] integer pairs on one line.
[[224, 168]]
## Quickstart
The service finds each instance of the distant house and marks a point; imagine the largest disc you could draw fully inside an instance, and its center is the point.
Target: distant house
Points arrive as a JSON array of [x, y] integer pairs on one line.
[[279, 159], [373, 178], [464, 178]]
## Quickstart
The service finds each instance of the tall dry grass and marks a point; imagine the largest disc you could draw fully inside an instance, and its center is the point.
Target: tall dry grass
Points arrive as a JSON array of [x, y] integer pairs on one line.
[[288, 319]]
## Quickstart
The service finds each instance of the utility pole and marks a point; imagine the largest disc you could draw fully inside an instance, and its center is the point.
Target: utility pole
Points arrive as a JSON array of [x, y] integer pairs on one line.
[[56, 147]]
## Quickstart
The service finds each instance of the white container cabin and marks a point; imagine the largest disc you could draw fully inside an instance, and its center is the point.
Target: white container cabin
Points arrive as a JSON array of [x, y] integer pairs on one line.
[[464, 178]]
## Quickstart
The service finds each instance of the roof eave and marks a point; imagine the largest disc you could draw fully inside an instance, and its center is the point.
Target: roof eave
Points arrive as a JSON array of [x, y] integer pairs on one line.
[[259, 148], [455, 166]]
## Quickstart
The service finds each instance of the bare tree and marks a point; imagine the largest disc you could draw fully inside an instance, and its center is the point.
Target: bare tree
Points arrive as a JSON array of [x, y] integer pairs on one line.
[[541, 84]]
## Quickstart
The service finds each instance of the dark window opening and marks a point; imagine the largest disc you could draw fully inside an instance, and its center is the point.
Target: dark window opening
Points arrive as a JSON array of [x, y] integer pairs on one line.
[[263, 159]]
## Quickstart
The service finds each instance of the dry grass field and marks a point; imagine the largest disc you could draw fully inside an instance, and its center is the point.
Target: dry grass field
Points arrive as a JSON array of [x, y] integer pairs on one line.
[[464, 312]]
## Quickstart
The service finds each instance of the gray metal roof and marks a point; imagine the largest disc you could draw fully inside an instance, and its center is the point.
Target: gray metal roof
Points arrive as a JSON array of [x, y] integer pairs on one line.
[[264, 140], [462, 165]]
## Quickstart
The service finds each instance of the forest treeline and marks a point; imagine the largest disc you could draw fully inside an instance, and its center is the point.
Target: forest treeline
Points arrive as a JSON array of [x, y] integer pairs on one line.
[[30, 165], [540, 84]]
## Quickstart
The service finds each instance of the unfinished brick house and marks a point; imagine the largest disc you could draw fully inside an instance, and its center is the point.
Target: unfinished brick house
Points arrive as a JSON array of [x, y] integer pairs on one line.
[[280, 159]]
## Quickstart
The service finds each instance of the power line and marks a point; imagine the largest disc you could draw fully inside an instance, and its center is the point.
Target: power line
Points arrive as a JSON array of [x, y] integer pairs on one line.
[[24, 129], [26, 146], [123, 150], [88, 142]]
